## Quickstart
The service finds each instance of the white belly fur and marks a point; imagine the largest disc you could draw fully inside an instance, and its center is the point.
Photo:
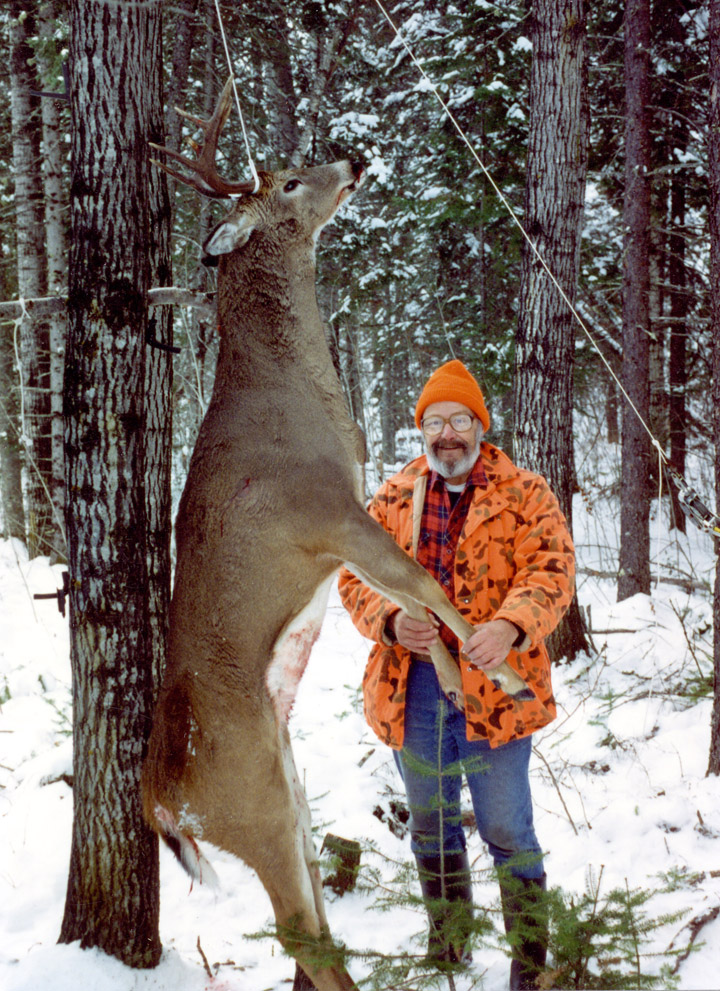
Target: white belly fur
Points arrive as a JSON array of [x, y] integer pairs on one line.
[[292, 651]]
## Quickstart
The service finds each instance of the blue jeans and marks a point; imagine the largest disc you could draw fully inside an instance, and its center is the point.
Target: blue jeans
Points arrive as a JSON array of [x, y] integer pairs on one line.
[[435, 756]]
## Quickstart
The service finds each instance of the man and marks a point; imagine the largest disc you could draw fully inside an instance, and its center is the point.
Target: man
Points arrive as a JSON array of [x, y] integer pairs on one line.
[[494, 538]]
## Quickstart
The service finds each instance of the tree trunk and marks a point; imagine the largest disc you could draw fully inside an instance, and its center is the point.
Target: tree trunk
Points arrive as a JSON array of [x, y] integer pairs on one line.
[[112, 895], [677, 271], [280, 96], [388, 398], [556, 170], [612, 431], [13, 514], [158, 375], [351, 377], [55, 182], [714, 216], [184, 29], [634, 565], [34, 349], [329, 41], [197, 367]]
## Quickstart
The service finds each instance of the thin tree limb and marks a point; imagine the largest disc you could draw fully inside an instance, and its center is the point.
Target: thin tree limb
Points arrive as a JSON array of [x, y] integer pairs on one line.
[[163, 296]]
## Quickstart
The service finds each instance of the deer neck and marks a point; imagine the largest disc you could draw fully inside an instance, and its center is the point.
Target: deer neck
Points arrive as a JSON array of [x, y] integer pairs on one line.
[[267, 305]]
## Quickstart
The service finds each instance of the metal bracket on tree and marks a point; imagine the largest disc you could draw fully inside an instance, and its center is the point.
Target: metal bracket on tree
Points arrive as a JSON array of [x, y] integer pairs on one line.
[[61, 594]]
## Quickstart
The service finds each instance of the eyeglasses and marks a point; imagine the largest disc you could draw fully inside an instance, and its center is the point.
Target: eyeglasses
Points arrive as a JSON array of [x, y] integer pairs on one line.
[[460, 422]]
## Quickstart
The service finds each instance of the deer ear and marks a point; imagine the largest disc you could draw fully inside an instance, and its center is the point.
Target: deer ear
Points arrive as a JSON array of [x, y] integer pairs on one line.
[[231, 233]]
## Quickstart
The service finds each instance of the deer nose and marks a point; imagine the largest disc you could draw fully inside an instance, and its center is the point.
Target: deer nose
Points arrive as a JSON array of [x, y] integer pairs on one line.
[[358, 169]]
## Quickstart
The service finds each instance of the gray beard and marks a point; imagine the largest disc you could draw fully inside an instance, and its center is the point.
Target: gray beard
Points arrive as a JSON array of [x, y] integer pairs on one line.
[[460, 467]]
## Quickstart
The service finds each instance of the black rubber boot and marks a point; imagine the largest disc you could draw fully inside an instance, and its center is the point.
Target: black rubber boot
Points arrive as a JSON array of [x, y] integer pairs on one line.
[[302, 982], [447, 892], [525, 915]]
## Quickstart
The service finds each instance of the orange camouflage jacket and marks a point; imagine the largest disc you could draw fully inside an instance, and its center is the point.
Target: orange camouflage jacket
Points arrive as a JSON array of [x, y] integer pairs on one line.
[[515, 560]]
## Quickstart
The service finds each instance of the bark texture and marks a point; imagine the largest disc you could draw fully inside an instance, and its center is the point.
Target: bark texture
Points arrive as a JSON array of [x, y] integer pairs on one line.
[[634, 565], [13, 514], [714, 214], [54, 125], [158, 377], [556, 171], [112, 896], [33, 338]]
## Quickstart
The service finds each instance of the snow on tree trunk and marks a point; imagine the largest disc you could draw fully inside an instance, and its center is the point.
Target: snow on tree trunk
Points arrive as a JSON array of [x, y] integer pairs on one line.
[[634, 565], [556, 170], [112, 895]]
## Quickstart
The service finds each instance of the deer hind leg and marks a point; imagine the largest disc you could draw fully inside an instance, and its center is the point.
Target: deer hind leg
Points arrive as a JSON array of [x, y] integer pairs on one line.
[[296, 890], [372, 555], [319, 949], [291, 877]]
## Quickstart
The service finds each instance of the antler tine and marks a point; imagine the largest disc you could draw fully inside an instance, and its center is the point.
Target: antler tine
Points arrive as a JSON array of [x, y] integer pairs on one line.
[[198, 184], [205, 177]]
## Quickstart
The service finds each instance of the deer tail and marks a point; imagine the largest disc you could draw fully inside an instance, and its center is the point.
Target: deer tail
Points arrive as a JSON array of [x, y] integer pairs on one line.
[[185, 848]]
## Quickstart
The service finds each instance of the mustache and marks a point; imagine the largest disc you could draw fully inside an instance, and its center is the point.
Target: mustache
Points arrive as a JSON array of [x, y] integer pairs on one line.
[[439, 445]]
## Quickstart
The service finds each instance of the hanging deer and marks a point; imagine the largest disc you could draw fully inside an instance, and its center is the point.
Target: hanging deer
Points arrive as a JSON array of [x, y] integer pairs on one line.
[[270, 510]]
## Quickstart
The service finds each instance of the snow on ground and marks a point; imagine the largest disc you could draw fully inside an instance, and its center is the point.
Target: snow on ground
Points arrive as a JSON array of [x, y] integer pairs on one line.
[[619, 783]]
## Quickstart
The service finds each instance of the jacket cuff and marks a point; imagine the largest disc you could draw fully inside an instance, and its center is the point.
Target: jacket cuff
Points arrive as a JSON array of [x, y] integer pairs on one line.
[[388, 638], [522, 642]]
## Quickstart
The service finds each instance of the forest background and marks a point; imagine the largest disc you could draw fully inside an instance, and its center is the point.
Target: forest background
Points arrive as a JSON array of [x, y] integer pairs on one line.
[[426, 264]]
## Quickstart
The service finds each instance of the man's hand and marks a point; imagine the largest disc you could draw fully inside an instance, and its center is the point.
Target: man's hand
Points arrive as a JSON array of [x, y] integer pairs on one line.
[[490, 644], [414, 634]]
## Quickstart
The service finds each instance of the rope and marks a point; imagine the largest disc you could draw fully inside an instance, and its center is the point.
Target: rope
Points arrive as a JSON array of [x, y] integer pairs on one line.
[[253, 170]]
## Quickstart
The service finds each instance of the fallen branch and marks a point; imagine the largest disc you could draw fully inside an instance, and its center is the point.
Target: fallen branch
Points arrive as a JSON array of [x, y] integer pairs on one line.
[[557, 788], [687, 584], [206, 965], [695, 925]]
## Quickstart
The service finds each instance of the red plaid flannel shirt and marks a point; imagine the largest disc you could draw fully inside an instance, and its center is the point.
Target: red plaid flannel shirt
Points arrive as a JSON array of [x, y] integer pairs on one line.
[[440, 531]]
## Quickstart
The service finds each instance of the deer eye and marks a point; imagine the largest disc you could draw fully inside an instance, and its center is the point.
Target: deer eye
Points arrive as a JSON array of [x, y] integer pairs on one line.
[[291, 184]]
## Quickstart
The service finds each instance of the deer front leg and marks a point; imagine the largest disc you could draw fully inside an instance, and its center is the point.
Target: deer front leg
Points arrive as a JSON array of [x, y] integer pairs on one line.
[[448, 672], [378, 561]]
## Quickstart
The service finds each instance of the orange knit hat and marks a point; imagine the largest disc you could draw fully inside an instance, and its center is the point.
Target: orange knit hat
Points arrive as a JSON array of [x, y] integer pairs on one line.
[[452, 382]]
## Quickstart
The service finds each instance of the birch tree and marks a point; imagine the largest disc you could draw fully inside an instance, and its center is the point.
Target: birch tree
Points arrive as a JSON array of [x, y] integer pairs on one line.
[[556, 171], [112, 894]]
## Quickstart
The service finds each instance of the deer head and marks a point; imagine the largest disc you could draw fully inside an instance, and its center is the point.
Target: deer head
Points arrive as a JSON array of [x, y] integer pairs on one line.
[[293, 204]]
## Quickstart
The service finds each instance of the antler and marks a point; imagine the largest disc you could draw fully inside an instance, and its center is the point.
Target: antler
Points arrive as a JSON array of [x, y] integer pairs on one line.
[[204, 175]]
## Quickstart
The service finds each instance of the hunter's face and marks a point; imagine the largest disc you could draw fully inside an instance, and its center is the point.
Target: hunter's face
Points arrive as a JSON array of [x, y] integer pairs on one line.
[[452, 447]]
